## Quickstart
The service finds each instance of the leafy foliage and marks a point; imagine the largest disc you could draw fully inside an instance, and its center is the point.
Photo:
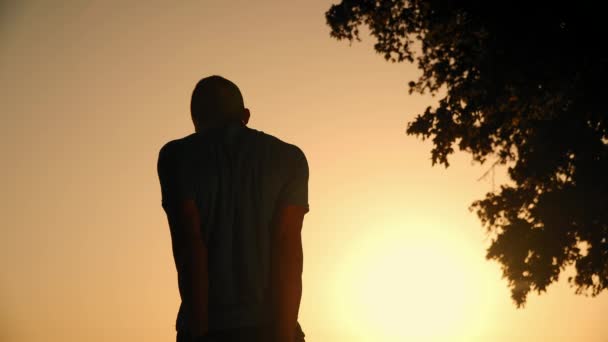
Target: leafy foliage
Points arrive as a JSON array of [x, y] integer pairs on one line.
[[524, 86]]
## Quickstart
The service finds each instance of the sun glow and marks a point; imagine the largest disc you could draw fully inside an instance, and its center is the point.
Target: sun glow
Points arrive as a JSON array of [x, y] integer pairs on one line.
[[413, 282]]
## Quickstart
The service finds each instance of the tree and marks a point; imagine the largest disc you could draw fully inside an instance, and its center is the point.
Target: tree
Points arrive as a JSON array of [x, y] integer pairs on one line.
[[524, 87]]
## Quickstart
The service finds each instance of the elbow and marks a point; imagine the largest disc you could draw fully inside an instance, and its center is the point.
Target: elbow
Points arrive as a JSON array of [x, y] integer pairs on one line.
[[291, 253]]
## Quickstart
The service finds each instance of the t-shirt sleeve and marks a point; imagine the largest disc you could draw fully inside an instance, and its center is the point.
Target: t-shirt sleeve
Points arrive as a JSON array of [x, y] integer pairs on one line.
[[295, 190], [175, 174]]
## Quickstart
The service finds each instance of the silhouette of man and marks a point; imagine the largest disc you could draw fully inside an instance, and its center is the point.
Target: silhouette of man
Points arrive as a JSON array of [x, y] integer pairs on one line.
[[235, 200]]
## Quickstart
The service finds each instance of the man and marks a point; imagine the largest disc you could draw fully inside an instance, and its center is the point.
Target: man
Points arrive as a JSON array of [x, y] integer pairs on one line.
[[235, 199]]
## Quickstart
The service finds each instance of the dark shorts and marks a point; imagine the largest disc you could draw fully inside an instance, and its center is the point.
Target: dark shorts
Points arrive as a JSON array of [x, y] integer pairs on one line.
[[248, 334]]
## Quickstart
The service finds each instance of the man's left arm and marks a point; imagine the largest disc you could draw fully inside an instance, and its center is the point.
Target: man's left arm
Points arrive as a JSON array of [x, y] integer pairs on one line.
[[184, 220], [189, 249]]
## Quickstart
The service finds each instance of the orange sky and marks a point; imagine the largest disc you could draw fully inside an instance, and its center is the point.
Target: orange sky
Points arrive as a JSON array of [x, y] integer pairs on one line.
[[90, 92]]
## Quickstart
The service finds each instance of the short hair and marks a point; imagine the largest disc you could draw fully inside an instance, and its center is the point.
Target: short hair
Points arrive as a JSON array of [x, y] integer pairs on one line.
[[216, 100]]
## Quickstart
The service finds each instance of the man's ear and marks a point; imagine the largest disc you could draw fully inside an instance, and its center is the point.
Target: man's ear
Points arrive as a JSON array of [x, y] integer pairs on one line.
[[246, 116], [195, 123]]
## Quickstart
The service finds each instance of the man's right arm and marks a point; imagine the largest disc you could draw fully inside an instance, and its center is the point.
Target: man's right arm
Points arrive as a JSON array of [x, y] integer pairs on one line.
[[286, 274]]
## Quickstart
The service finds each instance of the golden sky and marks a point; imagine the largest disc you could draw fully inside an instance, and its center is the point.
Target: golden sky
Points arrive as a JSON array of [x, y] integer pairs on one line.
[[90, 91]]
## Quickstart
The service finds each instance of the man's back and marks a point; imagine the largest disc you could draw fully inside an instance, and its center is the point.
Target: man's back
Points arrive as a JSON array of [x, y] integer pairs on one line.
[[239, 177]]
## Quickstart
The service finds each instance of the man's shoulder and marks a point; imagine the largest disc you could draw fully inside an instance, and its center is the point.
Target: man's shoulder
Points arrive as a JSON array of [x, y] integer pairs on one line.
[[174, 150], [282, 145], [177, 145]]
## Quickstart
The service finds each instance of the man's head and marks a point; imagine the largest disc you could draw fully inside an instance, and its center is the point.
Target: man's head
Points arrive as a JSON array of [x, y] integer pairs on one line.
[[216, 102]]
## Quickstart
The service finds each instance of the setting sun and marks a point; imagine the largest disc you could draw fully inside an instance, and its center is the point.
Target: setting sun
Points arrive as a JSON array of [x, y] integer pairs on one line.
[[412, 281]]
